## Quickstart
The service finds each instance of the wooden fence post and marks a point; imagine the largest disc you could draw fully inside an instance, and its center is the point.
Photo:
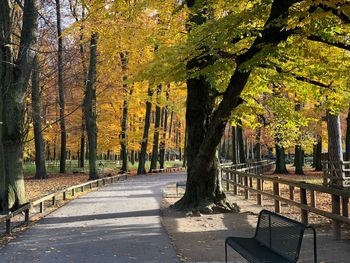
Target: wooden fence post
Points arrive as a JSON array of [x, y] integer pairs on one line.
[[291, 192], [8, 226], [42, 207], [235, 187], [73, 192], [336, 210], [258, 196], [53, 200], [276, 192], [313, 198], [64, 195], [303, 200], [227, 180], [246, 191], [26, 215], [345, 206]]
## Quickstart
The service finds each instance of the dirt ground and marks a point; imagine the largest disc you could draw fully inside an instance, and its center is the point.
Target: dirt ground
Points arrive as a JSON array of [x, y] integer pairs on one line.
[[201, 237]]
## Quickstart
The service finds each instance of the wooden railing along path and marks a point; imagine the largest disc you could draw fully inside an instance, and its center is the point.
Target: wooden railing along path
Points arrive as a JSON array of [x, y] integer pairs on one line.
[[52, 198], [251, 180]]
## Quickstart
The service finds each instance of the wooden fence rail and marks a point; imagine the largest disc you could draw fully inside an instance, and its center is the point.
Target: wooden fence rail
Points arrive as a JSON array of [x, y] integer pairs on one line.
[[243, 179], [52, 198]]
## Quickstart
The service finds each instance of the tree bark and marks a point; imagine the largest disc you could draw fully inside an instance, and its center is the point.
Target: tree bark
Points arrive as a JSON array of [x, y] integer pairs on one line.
[[15, 73], [234, 145], [156, 132], [90, 109], [184, 161], [258, 144], [335, 151], [299, 160], [36, 115], [165, 129], [61, 90], [318, 159], [142, 158], [124, 130], [280, 161], [242, 158]]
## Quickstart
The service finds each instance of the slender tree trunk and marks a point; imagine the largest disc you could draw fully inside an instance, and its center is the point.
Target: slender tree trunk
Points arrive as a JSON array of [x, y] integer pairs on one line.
[[84, 73], [165, 129], [234, 145], [184, 161], [171, 125], [61, 90], [90, 109], [48, 151], [318, 159], [156, 132], [280, 161], [142, 158], [314, 149], [222, 147], [242, 158], [299, 160], [124, 130], [258, 144], [36, 115], [229, 146], [15, 70]]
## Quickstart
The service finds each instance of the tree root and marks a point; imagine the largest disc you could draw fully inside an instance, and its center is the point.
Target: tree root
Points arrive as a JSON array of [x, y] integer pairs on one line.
[[208, 206]]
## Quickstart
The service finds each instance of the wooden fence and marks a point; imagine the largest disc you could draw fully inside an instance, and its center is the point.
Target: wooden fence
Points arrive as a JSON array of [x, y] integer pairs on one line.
[[54, 197], [336, 174], [251, 180]]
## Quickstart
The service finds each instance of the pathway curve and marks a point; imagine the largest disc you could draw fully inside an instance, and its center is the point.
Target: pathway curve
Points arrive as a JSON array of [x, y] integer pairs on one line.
[[118, 223]]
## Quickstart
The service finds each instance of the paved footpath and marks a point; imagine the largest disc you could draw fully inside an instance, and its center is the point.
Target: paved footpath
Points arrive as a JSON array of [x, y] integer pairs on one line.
[[119, 223]]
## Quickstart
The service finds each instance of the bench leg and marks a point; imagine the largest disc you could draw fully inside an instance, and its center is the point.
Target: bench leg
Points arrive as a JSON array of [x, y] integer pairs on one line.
[[225, 252], [315, 244]]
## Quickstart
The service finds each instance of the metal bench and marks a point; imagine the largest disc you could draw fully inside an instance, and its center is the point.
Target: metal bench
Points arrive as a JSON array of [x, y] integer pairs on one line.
[[277, 239]]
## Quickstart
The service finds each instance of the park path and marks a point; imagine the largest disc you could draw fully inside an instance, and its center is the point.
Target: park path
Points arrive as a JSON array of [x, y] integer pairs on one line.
[[118, 223]]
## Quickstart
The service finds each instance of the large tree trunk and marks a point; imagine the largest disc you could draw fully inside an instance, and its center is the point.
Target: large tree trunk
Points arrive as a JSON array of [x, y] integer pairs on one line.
[[335, 151], [90, 109], [36, 115], [299, 160], [156, 132], [205, 126], [142, 158], [280, 161], [15, 73], [61, 90]]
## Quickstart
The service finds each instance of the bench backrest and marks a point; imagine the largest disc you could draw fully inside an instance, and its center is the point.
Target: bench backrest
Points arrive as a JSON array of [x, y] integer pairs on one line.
[[281, 234]]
